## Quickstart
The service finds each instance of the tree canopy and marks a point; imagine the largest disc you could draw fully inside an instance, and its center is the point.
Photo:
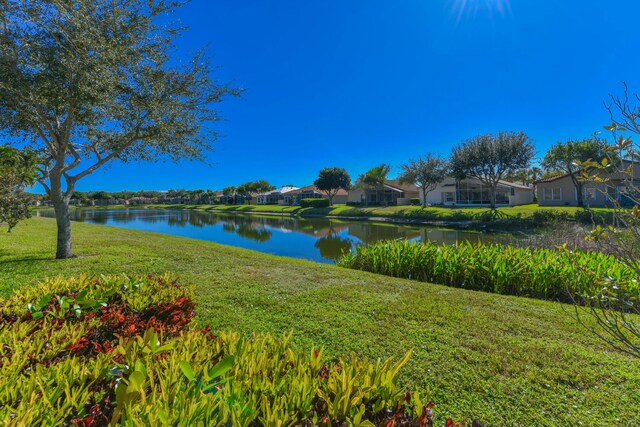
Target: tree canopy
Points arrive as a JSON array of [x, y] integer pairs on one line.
[[373, 179], [567, 157], [331, 180], [489, 158], [251, 189], [92, 81], [425, 172], [17, 171]]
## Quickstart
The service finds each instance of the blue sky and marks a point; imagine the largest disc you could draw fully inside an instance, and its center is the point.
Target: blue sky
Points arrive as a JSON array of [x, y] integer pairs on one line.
[[355, 83]]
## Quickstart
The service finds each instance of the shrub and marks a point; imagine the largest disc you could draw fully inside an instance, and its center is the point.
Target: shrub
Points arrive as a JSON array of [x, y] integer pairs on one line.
[[538, 273], [120, 350], [314, 203], [415, 201], [543, 217]]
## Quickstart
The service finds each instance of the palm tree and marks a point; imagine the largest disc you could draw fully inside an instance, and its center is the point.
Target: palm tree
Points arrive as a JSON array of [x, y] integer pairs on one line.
[[373, 180]]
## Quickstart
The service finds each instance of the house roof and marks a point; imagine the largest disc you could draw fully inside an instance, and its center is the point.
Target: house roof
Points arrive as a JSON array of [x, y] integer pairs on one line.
[[394, 184], [552, 178], [515, 185], [281, 190], [308, 188]]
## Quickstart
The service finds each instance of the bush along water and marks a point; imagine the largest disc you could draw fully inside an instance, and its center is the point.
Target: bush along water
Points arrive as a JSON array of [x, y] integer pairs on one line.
[[314, 203], [554, 274], [124, 351]]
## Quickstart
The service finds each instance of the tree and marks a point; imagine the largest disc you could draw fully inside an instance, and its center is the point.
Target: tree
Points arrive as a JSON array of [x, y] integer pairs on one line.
[[373, 180], [331, 180], [92, 81], [425, 172], [525, 176], [613, 303], [251, 189], [231, 192], [488, 158], [17, 171], [565, 157]]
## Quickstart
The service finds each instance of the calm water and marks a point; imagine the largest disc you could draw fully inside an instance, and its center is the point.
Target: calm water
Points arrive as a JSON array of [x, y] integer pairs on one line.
[[317, 239]]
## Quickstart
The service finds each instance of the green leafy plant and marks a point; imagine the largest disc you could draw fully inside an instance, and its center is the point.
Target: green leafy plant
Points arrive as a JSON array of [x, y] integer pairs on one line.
[[314, 203], [540, 273]]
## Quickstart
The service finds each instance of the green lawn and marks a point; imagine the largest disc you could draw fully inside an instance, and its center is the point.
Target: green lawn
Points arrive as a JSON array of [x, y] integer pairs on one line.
[[508, 360]]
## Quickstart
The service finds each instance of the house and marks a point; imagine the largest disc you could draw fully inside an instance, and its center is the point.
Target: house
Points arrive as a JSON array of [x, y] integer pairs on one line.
[[311, 192], [394, 193], [235, 199], [140, 201], [275, 197], [559, 190], [472, 192]]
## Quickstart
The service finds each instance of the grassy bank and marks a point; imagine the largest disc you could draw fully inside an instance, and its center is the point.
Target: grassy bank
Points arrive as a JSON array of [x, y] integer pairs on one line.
[[508, 360]]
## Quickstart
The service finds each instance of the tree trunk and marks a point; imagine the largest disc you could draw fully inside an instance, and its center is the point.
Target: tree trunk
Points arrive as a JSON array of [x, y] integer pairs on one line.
[[63, 220], [60, 202], [579, 193], [492, 195], [424, 197]]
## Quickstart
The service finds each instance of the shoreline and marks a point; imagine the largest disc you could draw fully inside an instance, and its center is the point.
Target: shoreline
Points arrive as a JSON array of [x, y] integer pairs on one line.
[[508, 224], [509, 219]]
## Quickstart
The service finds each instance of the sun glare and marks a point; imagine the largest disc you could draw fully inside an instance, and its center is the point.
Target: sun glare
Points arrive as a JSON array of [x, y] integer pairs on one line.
[[473, 7]]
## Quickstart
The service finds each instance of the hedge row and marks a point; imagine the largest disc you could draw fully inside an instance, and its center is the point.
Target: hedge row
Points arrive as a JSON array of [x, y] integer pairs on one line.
[[314, 203]]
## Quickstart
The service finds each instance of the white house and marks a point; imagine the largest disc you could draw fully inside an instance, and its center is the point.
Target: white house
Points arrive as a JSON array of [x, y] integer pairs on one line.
[[311, 192], [275, 197], [472, 192]]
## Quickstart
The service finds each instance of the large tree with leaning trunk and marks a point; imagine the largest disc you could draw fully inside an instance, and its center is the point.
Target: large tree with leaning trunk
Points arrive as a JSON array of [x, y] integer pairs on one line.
[[87, 82]]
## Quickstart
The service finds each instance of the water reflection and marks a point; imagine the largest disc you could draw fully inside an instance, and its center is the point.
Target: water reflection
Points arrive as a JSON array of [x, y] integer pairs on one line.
[[333, 246], [318, 239]]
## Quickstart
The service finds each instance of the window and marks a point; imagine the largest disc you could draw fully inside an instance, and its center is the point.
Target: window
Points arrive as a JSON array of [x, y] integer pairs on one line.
[[589, 194], [449, 197], [552, 193]]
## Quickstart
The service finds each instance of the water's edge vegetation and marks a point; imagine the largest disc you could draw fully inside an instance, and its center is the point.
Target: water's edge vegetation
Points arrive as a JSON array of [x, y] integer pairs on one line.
[[553, 274]]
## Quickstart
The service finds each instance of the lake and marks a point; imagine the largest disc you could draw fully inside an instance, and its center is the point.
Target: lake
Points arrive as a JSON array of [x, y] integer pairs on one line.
[[316, 239]]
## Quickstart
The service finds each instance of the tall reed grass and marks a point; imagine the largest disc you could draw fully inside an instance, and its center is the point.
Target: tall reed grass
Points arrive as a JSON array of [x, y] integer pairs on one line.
[[554, 274]]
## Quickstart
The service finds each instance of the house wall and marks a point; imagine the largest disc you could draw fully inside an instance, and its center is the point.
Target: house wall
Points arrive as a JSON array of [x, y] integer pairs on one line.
[[521, 197], [434, 197], [567, 192], [340, 199], [568, 195], [408, 195], [355, 196]]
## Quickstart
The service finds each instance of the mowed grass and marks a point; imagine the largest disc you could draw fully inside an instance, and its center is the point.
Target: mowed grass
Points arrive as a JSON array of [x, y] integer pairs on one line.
[[509, 361]]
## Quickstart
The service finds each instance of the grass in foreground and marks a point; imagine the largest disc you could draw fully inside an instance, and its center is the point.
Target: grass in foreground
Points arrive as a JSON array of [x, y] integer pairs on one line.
[[507, 360]]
